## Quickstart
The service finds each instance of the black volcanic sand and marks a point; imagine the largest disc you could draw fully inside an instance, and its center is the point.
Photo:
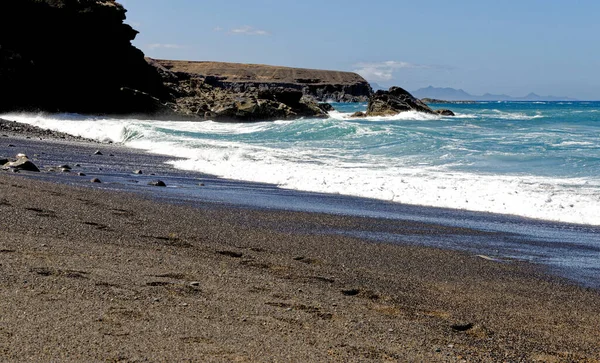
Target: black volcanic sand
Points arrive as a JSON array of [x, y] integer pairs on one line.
[[92, 273]]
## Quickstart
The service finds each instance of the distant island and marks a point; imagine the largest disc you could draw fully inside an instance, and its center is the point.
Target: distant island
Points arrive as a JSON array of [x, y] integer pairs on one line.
[[452, 94]]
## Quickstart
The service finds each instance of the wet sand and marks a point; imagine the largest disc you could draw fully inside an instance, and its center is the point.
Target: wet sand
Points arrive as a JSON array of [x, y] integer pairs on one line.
[[98, 274]]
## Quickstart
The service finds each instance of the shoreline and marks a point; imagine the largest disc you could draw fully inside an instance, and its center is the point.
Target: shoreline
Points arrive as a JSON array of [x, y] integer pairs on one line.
[[562, 249], [107, 274]]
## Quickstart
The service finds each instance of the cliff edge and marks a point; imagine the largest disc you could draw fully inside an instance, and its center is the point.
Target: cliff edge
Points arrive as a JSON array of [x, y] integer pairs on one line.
[[322, 85]]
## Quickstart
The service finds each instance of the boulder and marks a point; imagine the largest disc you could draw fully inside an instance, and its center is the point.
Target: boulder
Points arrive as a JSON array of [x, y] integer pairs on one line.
[[445, 112], [394, 101], [22, 164], [358, 114]]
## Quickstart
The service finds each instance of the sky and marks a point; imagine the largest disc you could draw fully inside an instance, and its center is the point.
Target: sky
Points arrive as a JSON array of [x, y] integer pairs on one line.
[[549, 47]]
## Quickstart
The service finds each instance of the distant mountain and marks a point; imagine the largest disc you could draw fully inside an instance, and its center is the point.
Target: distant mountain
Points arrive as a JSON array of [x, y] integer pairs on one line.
[[452, 94]]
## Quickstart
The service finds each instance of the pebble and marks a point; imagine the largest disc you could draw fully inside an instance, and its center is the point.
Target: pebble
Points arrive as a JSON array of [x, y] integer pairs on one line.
[[138, 172], [98, 152], [195, 283], [95, 180], [81, 174], [157, 183], [351, 292]]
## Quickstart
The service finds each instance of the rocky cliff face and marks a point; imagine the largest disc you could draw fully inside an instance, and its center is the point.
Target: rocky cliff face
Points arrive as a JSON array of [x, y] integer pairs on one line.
[[76, 56], [321, 85], [71, 56]]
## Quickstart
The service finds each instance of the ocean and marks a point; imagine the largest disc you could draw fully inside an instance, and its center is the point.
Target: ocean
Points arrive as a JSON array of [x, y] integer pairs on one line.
[[538, 160]]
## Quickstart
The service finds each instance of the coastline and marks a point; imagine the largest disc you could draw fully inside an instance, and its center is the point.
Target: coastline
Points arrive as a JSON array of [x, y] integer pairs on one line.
[[99, 274]]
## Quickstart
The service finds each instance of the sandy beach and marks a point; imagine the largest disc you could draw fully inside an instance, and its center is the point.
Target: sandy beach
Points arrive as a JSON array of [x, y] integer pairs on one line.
[[91, 272]]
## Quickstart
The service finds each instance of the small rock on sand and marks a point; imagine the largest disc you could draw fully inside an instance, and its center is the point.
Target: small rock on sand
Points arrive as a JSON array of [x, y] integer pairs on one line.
[[351, 292], [138, 172], [22, 164], [95, 180], [98, 152], [157, 183]]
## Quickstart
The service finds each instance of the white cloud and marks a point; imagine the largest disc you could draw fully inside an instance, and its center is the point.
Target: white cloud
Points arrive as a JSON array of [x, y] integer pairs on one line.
[[165, 46], [248, 30], [384, 71]]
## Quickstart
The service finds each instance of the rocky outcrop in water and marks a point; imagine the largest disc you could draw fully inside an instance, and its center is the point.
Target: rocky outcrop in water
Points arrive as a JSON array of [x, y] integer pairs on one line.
[[394, 101], [445, 112]]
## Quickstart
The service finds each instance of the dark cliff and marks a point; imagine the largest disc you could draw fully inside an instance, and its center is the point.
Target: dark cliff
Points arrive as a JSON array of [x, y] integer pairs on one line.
[[71, 56]]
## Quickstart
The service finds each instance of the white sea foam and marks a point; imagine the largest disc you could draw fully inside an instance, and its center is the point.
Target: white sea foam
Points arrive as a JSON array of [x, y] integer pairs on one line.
[[574, 143], [327, 170], [514, 115], [403, 116]]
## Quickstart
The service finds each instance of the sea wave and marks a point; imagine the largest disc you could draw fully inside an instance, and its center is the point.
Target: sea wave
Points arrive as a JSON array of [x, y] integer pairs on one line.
[[333, 156]]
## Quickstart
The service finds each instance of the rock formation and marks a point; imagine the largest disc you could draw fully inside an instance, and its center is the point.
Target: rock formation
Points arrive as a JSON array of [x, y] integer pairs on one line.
[[200, 97], [394, 101], [321, 85], [71, 56], [76, 56]]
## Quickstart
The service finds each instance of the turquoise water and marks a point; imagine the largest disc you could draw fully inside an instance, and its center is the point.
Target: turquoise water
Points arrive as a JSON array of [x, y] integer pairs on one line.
[[533, 159]]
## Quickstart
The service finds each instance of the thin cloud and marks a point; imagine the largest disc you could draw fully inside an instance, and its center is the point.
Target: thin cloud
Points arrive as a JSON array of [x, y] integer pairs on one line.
[[384, 71], [248, 30], [165, 46]]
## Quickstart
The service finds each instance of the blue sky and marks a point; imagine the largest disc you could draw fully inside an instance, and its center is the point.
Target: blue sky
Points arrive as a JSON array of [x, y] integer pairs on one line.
[[514, 47]]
